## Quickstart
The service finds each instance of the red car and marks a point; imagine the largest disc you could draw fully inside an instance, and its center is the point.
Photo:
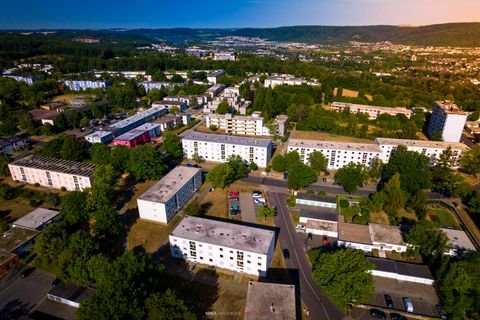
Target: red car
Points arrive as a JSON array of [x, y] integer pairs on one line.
[[325, 240], [233, 193]]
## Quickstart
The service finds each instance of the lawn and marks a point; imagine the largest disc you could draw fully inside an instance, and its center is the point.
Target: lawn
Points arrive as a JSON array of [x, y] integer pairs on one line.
[[441, 215], [150, 235], [215, 203], [314, 135], [13, 209], [137, 190], [353, 212]]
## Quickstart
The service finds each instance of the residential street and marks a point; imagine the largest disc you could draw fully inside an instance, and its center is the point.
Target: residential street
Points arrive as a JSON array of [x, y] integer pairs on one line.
[[318, 305]]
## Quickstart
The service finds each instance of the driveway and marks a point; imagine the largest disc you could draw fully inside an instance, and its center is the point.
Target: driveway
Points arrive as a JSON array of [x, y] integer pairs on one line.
[[318, 305], [24, 294], [247, 207]]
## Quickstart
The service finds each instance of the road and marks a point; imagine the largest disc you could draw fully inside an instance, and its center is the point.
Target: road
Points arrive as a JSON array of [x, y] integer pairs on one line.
[[318, 304], [22, 295]]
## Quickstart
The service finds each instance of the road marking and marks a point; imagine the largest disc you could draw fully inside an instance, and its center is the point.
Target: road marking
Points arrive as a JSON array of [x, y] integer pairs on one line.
[[296, 256]]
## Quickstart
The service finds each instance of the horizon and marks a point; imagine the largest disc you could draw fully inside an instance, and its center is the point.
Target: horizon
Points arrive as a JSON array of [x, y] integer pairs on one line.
[[235, 14]]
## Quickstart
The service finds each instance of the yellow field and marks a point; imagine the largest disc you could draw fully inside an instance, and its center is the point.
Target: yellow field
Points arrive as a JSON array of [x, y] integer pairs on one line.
[[351, 94]]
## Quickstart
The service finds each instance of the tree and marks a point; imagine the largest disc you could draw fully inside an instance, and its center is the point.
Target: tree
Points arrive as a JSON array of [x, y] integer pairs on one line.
[[177, 79], [119, 158], [344, 275], [4, 161], [100, 154], [146, 163], [172, 145], [253, 166], [220, 176], [4, 225], [414, 170], [429, 240], [174, 110], [436, 136], [279, 163], [395, 197], [299, 176], [318, 162], [106, 221], [351, 176], [167, 306], [445, 160], [71, 149], [238, 166], [102, 193], [223, 107], [213, 127], [470, 162], [417, 202], [49, 244], [449, 183], [74, 207], [193, 208], [375, 170], [265, 212], [473, 201]]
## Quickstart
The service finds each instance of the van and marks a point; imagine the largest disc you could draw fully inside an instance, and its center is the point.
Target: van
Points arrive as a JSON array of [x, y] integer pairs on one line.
[[408, 304]]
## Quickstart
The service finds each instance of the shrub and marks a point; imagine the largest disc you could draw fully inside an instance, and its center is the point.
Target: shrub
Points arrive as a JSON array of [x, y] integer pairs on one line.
[[63, 189], [36, 184], [321, 193], [310, 192], [344, 203]]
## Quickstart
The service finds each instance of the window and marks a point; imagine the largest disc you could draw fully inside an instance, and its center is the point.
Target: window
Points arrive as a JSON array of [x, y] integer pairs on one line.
[[221, 256], [259, 263]]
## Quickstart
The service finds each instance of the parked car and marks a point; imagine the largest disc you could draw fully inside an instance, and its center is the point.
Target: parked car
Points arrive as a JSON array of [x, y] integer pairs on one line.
[[396, 316], [441, 312], [286, 254], [275, 210], [325, 240], [233, 193], [259, 201], [25, 273], [234, 199], [234, 207], [408, 304], [378, 314], [300, 227], [55, 282], [388, 301], [234, 212], [256, 194]]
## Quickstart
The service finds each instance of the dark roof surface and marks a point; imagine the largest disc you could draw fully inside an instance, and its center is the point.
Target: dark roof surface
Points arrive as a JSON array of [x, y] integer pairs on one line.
[[314, 197], [408, 269], [71, 292], [328, 214]]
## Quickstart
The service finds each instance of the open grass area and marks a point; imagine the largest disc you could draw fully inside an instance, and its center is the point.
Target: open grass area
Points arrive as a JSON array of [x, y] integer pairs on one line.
[[314, 135], [203, 128], [405, 215], [441, 215], [215, 203], [66, 97], [229, 305], [138, 190], [13, 209], [150, 235], [352, 213]]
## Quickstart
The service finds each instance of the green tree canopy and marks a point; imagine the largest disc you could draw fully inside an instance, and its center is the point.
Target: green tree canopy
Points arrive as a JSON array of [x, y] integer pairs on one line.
[[146, 163], [265, 212], [100, 154], [167, 306], [344, 276], [74, 207], [470, 162], [318, 162], [221, 175], [351, 176], [395, 197], [4, 161], [223, 107], [172, 145], [300, 176]]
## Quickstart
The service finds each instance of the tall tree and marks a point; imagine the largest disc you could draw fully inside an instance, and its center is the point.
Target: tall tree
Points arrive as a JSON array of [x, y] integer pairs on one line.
[[146, 163], [221, 175], [344, 275], [71, 149], [4, 161], [318, 162], [300, 176], [265, 212], [351, 176], [395, 197], [470, 162], [223, 107], [167, 306], [172, 145], [74, 207], [100, 154]]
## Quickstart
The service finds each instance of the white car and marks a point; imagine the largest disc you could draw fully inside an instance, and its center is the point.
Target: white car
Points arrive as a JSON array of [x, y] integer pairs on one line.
[[256, 195], [300, 228], [259, 200]]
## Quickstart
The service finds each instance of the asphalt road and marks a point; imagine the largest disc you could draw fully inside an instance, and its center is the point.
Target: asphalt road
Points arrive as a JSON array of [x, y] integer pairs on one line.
[[318, 305], [24, 294]]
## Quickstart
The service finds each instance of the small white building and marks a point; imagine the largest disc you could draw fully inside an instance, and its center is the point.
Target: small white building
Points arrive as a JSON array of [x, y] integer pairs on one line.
[[99, 137], [447, 119], [321, 221], [161, 202], [338, 154], [372, 111], [38, 219], [278, 80], [53, 173], [169, 104], [224, 56], [218, 148], [224, 245], [355, 236], [316, 200]]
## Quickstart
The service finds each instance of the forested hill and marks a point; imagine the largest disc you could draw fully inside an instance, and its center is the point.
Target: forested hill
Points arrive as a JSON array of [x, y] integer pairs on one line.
[[449, 34]]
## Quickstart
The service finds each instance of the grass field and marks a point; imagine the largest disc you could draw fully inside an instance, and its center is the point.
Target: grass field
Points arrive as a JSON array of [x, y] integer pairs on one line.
[[442, 216], [351, 93], [379, 217], [150, 235], [215, 203], [66, 97], [314, 135], [11, 210]]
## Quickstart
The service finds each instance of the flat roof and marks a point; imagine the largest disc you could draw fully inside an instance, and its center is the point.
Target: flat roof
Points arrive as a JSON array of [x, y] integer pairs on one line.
[[329, 226], [347, 146], [449, 107], [225, 234], [458, 239], [352, 232], [16, 237], [421, 143], [228, 116], [166, 118], [169, 185], [227, 139], [402, 268], [385, 233], [99, 134], [42, 114], [130, 135], [169, 102], [387, 109], [36, 218], [6, 256], [327, 214], [56, 165], [137, 117], [261, 296], [316, 197], [71, 292]]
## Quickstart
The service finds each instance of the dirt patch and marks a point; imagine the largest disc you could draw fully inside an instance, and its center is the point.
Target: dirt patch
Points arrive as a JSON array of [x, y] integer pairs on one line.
[[379, 217]]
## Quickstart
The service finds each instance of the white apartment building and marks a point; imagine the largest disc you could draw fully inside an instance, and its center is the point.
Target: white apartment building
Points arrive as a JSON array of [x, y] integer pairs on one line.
[[53, 173], [224, 56], [290, 80], [99, 137], [155, 85], [447, 119], [27, 80], [161, 202], [242, 125], [214, 76], [431, 149], [215, 90], [169, 104], [218, 148], [224, 245], [79, 85], [372, 111], [338, 154]]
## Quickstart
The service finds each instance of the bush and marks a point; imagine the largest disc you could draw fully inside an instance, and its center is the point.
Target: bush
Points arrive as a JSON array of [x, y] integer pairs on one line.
[[344, 203], [34, 203], [63, 189], [7, 192], [321, 193], [291, 201], [36, 184], [213, 128]]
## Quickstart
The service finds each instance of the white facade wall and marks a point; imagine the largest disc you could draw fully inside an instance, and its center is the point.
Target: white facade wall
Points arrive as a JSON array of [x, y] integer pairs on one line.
[[220, 152], [372, 111], [389, 247], [57, 179], [450, 124], [318, 232], [356, 246], [222, 256], [79, 85], [401, 277], [237, 125]]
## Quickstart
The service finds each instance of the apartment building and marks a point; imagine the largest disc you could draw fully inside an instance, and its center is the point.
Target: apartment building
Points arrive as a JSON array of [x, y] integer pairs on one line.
[[28, 80], [224, 56], [99, 137], [215, 75], [224, 245], [215, 90], [149, 85], [431, 149], [53, 173], [372, 111], [9, 146], [243, 125], [185, 99], [447, 119], [218, 148], [278, 80], [161, 202], [169, 104], [79, 85], [338, 154]]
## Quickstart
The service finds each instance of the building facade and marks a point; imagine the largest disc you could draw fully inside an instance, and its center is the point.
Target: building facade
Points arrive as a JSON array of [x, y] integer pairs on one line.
[[218, 148], [241, 125], [224, 245], [53, 173], [79, 85], [447, 119], [161, 202], [372, 111]]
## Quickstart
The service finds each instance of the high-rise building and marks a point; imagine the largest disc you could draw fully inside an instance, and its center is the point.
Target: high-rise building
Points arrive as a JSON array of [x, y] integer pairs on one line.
[[447, 119]]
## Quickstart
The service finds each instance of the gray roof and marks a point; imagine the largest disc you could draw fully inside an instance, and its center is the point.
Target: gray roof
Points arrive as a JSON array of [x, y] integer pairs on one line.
[[352, 232], [385, 233], [71, 292], [226, 139], [16, 237], [235, 236], [327, 214], [261, 296], [421, 143], [56, 165], [458, 239], [36, 218], [315, 197], [347, 146], [401, 268], [169, 185]]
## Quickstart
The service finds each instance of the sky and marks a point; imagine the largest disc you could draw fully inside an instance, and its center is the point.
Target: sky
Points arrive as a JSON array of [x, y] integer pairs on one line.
[[50, 14]]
